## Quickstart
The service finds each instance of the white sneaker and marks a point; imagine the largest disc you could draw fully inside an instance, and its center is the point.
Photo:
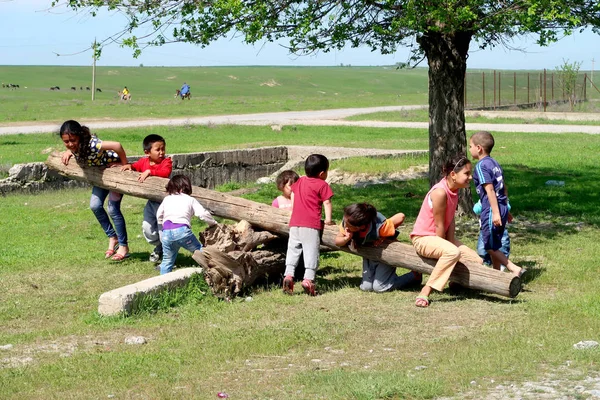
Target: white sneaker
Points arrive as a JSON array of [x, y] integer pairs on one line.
[[155, 257]]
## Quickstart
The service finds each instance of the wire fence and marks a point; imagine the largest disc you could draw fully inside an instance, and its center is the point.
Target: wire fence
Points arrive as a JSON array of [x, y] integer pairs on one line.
[[506, 89]]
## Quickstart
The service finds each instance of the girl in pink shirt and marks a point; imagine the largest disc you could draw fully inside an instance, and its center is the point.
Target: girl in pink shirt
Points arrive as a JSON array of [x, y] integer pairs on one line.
[[284, 182], [433, 233]]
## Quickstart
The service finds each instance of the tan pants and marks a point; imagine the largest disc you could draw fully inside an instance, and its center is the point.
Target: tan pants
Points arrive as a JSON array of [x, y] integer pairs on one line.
[[447, 254]]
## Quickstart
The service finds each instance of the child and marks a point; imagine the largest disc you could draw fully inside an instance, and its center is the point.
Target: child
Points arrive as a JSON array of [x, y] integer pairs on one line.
[[433, 233], [175, 214], [284, 182], [154, 164], [87, 148], [309, 195], [491, 188], [505, 248], [362, 224]]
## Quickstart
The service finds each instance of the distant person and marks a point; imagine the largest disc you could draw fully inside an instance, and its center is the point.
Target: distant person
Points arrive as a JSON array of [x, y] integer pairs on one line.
[[363, 225], [284, 182], [492, 190], [125, 93], [433, 235], [185, 89], [93, 152], [154, 164], [175, 214], [310, 195]]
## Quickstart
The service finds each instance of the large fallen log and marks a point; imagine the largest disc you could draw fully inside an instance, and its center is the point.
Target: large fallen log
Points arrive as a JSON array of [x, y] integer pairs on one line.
[[393, 253]]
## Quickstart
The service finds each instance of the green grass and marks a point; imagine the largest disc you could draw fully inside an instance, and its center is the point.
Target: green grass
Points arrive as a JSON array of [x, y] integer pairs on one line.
[[215, 90], [423, 116], [29, 148], [343, 344]]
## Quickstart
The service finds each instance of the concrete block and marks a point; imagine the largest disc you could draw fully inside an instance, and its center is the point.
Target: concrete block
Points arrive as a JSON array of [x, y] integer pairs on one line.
[[124, 299]]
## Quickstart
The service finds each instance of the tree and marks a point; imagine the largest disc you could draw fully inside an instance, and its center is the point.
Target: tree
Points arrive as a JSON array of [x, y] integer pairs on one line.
[[439, 30], [567, 79]]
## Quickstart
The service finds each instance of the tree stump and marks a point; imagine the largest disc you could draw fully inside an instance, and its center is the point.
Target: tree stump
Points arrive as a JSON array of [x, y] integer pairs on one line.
[[236, 256]]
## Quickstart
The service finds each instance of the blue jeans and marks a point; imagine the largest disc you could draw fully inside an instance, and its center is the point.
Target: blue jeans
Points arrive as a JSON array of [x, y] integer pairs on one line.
[[114, 210], [172, 241]]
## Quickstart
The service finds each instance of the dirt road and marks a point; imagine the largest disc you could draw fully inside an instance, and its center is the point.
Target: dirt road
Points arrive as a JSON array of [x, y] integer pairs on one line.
[[320, 117]]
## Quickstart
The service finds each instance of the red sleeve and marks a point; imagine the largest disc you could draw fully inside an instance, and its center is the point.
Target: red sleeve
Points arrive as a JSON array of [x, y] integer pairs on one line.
[[326, 193], [141, 165], [163, 169]]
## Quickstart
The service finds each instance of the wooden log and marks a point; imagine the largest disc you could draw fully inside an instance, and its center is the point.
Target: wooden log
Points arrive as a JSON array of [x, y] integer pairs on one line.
[[393, 253]]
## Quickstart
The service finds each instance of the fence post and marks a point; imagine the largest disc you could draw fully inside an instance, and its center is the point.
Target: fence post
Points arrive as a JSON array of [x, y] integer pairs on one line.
[[528, 88], [494, 101], [499, 88], [584, 87], [540, 94], [483, 87], [465, 90], [552, 81], [515, 87], [545, 89]]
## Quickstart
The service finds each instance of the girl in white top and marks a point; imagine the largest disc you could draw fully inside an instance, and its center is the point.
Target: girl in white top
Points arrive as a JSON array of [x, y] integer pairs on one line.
[[175, 214]]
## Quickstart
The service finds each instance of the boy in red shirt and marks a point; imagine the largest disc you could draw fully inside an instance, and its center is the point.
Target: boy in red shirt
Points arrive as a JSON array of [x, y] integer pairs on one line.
[[154, 164], [310, 194]]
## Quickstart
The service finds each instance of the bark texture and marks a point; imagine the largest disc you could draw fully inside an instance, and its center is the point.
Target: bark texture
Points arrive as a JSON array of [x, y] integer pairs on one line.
[[447, 59], [276, 221]]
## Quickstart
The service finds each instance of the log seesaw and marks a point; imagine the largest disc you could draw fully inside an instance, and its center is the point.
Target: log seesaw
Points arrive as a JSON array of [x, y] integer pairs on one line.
[[236, 256]]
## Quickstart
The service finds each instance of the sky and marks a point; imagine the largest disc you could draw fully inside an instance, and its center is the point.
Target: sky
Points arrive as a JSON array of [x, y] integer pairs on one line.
[[33, 33]]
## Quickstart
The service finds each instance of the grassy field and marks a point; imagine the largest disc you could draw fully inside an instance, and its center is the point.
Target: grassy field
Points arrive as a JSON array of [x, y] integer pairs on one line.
[[344, 344], [215, 90]]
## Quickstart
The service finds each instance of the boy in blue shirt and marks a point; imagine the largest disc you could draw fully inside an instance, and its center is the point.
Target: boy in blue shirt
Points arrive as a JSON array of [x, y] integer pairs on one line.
[[491, 188]]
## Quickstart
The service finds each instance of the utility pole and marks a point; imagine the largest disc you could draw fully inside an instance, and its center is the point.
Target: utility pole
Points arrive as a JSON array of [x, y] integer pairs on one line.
[[94, 73]]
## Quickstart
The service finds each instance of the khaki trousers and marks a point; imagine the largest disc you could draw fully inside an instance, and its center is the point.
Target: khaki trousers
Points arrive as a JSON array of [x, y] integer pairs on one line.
[[447, 253]]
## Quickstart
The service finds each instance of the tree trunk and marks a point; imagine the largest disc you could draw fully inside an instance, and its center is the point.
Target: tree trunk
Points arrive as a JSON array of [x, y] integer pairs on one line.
[[276, 221], [447, 59]]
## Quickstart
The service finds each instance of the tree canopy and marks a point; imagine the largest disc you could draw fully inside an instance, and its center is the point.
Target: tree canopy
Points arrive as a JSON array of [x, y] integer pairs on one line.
[[324, 25]]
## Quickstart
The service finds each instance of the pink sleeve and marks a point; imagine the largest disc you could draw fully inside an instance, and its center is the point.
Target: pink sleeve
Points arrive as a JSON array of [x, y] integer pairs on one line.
[[275, 203]]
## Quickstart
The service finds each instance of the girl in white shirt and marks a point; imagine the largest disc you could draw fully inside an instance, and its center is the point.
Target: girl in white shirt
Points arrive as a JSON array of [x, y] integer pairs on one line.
[[175, 214]]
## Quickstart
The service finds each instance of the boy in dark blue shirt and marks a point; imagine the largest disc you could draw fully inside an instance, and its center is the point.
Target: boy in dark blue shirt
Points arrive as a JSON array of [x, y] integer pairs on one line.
[[491, 188]]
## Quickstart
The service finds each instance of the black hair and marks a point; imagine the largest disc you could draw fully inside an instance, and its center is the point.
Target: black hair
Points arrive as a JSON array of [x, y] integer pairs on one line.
[[483, 139], [150, 140], [360, 214], [74, 128], [287, 176], [315, 164], [455, 164], [179, 184]]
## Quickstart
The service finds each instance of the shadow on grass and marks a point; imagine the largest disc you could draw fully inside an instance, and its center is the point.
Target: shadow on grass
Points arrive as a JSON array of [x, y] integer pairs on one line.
[[576, 201]]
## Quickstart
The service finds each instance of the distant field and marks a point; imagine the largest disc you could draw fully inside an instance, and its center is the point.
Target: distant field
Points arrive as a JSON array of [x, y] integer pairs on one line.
[[215, 90]]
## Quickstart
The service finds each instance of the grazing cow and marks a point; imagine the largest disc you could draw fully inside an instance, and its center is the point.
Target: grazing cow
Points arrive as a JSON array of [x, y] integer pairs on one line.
[[98, 90], [87, 88], [73, 88], [54, 88]]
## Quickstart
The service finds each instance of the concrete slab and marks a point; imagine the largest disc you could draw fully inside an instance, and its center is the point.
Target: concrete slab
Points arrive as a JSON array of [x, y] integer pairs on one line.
[[124, 299]]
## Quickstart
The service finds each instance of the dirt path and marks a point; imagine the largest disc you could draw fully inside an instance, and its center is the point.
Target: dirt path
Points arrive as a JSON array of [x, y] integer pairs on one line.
[[319, 117]]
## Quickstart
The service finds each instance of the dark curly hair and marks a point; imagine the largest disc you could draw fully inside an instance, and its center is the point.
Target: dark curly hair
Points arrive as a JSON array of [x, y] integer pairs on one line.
[[73, 128]]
